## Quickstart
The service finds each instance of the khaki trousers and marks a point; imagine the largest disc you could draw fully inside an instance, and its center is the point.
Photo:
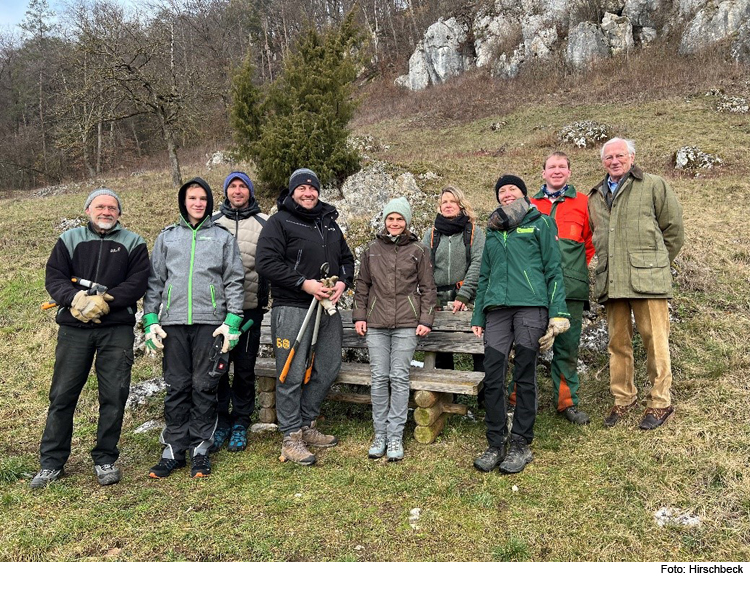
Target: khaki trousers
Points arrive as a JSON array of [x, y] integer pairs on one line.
[[652, 320]]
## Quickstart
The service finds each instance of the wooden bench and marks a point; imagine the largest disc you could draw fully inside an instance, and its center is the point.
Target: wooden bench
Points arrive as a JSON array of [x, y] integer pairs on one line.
[[432, 388]]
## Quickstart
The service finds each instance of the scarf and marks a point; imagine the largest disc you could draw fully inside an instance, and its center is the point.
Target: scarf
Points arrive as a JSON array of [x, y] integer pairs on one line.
[[510, 216], [449, 227], [552, 196]]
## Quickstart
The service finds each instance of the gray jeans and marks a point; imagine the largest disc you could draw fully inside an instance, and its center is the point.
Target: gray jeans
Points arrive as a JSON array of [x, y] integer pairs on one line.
[[298, 404], [391, 351]]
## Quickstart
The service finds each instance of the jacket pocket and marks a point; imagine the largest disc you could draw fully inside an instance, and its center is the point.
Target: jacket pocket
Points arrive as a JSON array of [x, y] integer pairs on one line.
[[649, 272], [413, 307]]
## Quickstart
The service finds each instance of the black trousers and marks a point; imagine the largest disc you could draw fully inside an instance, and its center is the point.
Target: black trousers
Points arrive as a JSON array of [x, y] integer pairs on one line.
[[241, 394], [505, 326], [74, 355], [190, 403]]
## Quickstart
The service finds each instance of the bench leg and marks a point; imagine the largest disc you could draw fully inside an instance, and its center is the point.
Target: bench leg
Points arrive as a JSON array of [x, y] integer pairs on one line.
[[430, 415], [267, 400]]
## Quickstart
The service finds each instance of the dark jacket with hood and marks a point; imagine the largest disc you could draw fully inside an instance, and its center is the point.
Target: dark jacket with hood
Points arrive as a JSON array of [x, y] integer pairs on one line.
[[245, 225], [293, 245], [395, 288], [196, 271], [117, 259]]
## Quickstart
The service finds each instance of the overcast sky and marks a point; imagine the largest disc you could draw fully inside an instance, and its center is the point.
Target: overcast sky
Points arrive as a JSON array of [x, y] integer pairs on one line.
[[13, 11]]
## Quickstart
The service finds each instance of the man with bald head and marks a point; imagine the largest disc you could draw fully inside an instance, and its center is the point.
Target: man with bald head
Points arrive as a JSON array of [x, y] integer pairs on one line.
[[92, 324], [637, 229]]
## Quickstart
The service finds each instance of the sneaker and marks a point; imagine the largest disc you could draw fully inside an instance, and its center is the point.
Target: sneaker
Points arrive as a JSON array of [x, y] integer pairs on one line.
[[220, 437], [576, 416], [655, 417], [616, 414], [165, 467], [490, 459], [377, 448], [518, 456], [238, 441], [395, 449], [201, 466], [107, 474], [313, 437], [45, 477], [293, 449]]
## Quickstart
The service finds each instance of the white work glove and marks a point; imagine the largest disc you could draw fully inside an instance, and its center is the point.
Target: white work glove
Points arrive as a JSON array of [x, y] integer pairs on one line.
[[89, 308], [556, 326], [230, 329], [154, 332]]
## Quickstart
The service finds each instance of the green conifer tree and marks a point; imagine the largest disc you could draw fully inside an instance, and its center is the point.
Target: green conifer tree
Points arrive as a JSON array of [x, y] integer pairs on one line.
[[303, 120]]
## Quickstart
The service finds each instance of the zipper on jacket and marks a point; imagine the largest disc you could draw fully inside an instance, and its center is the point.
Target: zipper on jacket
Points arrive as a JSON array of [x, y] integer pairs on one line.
[[299, 258], [413, 308], [213, 297], [529, 282], [190, 279], [169, 296], [374, 299]]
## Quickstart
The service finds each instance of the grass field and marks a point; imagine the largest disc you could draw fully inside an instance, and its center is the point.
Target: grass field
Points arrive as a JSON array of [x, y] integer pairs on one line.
[[590, 494]]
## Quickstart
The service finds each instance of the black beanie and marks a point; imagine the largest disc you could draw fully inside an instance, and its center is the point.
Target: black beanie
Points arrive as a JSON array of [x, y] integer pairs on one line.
[[510, 179], [303, 176]]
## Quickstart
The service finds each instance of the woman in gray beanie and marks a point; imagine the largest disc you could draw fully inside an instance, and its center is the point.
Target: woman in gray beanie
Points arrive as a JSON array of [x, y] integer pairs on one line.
[[394, 305]]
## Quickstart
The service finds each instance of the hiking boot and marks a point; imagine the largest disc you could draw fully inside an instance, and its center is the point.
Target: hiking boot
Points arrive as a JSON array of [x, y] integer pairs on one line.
[[655, 417], [238, 441], [220, 437], [165, 467], [315, 438], [576, 416], [201, 466], [395, 449], [107, 474], [45, 477], [617, 413], [518, 456], [293, 449], [377, 448], [490, 459]]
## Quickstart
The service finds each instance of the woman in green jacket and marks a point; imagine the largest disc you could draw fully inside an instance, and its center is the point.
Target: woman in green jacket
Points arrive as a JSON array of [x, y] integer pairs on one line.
[[520, 300]]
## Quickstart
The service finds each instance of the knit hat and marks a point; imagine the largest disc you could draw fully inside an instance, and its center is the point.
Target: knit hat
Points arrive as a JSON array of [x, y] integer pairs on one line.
[[303, 176], [400, 206], [506, 179], [241, 176], [98, 193]]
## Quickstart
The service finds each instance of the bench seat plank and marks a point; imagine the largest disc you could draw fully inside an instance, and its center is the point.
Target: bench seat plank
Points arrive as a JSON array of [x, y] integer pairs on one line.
[[461, 382]]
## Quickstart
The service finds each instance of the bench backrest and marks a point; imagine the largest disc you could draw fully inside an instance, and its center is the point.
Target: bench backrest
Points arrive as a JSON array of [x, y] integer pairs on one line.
[[450, 333]]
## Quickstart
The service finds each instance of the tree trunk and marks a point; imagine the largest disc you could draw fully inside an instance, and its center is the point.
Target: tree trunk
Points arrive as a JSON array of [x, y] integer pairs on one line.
[[174, 162]]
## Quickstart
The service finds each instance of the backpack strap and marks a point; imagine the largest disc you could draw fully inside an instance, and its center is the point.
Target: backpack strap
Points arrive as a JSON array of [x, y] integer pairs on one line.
[[434, 243]]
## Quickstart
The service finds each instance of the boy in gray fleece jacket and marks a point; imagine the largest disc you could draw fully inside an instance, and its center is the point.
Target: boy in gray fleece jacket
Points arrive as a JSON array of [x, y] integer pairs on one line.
[[196, 279]]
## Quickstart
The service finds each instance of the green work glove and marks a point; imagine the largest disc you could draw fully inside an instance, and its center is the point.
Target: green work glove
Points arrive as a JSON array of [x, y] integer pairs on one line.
[[556, 326], [89, 308], [154, 332], [230, 329]]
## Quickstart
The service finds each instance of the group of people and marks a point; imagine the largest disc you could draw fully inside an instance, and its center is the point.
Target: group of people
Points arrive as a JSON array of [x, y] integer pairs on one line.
[[208, 282]]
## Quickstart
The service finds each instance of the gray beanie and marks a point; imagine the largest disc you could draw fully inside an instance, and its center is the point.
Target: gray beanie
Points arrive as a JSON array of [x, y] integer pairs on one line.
[[303, 176], [98, 193], [400, 206]]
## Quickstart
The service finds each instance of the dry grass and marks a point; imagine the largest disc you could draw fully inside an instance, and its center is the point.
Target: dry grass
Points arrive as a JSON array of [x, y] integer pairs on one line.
[[589, 495]]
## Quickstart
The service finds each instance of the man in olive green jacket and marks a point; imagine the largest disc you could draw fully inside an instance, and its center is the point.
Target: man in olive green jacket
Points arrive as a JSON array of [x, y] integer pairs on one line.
[[637, 225]]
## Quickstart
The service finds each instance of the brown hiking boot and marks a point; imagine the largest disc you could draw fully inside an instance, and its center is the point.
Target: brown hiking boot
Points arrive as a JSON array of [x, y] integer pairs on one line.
[[655, 417], [617, 413], [293, 449], [315, 438]]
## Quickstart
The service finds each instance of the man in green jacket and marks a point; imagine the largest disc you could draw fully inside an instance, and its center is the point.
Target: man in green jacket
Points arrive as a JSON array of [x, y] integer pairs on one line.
[[637, 225]]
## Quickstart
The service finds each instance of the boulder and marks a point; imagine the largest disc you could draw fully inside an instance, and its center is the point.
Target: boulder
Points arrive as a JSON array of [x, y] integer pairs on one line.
[[692, 158], [713, 23], [619, 33], [586, 43], [439, 56]]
